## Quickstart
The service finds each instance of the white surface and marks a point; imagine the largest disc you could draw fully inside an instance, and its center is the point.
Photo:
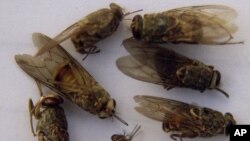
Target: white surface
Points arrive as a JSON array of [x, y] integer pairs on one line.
[[18, 19]]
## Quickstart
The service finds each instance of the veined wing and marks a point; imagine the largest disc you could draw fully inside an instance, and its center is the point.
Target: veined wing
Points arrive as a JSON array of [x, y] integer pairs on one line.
[[131, 67], [152, 63], [209, 24], [167, 110], [89, 24], [45, 67]]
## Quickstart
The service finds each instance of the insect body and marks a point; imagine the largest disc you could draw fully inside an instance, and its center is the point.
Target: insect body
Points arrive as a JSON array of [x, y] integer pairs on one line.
[[207, 24], [126, 137], [184, 120], [52, 124], [91, 29], [159, 65], [59, 71]]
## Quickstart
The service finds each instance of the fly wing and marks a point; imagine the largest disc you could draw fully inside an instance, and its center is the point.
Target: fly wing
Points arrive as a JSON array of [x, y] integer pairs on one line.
[[84, 78], [64, 35], [90, 24], [152, 63], [221, 11], [131, 67], [44, 67], [207, 24], [167, 110]]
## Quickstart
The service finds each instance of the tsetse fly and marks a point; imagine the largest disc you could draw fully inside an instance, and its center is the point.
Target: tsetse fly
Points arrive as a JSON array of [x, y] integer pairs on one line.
[[51, 120], [184, 120], [126, 137], [159, 65], [91, 29], [204, 24], [59, 71]]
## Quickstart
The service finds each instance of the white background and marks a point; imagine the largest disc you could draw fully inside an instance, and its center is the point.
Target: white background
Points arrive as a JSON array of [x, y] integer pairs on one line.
[[19, 19]]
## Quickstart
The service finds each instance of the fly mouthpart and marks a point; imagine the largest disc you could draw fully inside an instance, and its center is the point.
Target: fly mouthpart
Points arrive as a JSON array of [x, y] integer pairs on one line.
[[129, 13], [223, 92], [120, 119]]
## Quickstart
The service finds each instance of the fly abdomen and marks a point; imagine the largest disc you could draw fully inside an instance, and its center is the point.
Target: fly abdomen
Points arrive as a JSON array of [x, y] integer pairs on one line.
[[67, 79]]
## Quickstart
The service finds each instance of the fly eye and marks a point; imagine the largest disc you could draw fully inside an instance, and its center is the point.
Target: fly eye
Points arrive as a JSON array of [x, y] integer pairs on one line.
[[51, 100], [136, 26], [218, 78], [116, 10], [102, 117], [229, 122], [227, 129], [181, 73], [114, 102]]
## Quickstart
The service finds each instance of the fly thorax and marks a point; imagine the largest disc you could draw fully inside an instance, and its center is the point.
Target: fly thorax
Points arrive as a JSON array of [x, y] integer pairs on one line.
[[117, 11], [136, 26], [108, 109], [229, 120], [196, 77], [158, 26], [170, 127], [215, 81], [103, 103]]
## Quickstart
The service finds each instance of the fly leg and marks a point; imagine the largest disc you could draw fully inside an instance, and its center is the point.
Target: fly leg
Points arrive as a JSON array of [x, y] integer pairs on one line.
[[34, 110], [41, 136], [87, 49], [186, 133], [168, 87], [39, 87], [31, 110], [174, 136]]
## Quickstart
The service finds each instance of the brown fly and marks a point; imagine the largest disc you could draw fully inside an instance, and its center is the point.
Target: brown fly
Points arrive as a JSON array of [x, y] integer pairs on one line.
[[59, 71], [205, 24], [184, 120], [162, 66], [52, 124], [126, 137], [91, 29]]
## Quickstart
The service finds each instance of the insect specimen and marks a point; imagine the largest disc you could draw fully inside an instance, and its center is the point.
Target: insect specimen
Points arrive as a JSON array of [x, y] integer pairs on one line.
[[184, 120], [160, 65], [59, 71], [205, 24], [126, 137], [52, 124], [91, 29]]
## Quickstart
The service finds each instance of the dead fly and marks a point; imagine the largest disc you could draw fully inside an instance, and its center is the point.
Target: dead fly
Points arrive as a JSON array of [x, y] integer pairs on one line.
[[206, 24], [52, 124], [126, 137], [91, 29], [59, 71], [184, 120], [162, 66]]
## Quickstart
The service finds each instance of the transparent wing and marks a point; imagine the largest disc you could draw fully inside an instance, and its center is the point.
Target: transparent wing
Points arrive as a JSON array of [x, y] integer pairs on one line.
[[220, 11], [208, 24], [152, 63], [45, 67], [64, 35], [131, 67], [166, 110], [90, 24]]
